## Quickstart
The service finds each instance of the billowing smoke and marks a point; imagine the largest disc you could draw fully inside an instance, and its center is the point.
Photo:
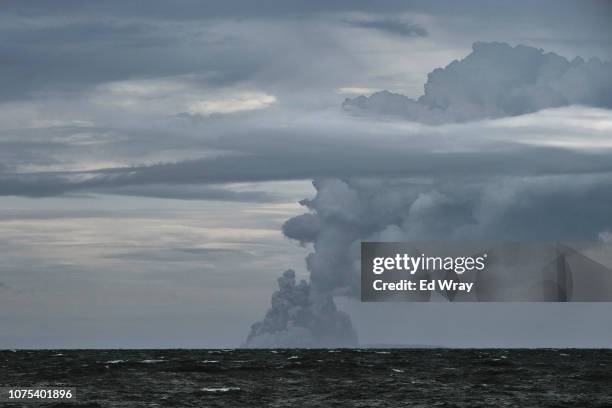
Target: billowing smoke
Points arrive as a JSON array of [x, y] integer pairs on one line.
[[302, 317], [497, 80], [345, 212]]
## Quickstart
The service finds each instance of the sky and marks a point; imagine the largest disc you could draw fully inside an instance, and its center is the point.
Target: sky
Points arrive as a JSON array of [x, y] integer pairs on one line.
[[152, 152]]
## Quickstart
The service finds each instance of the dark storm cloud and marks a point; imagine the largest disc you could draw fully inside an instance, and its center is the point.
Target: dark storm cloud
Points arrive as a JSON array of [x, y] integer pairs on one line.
[[392, 27]]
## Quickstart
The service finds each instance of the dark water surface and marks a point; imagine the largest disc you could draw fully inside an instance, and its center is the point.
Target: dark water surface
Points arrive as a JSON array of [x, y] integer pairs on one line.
[[317, 378]]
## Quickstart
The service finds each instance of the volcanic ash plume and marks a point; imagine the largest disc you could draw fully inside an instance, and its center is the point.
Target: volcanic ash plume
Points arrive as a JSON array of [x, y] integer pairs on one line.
[[300, 317], [344, 213], [304, 314]]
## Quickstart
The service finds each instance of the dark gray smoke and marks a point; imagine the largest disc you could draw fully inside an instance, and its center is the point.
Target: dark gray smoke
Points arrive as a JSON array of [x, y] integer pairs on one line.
[[497, 80], [301, 317]]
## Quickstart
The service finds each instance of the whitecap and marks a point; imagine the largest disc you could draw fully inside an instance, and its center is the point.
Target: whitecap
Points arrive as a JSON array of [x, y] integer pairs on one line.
[[220, 389], [210, 361], [152, 361], [397, 370], [292, 357], [114, 361]]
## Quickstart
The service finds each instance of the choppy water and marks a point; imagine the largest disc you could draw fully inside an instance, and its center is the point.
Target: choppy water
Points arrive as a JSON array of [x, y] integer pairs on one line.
[[318, 378]]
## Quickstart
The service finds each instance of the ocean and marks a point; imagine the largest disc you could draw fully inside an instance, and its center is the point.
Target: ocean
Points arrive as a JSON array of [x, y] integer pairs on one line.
[[316, 378]]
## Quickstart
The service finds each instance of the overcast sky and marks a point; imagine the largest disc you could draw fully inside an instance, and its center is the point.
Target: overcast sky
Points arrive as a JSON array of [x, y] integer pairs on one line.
[[151, 151]]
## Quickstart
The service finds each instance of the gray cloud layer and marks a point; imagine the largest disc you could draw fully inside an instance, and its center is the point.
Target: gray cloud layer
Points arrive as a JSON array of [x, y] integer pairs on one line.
[[392, 27], [565, 141]]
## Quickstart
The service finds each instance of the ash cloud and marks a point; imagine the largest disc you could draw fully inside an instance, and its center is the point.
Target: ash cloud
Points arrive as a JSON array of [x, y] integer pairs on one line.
[[497, 80], [301, 316], [346, 212]]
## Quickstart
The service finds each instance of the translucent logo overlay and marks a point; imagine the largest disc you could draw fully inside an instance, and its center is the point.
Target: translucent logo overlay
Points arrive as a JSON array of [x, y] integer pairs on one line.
[[486, 272]]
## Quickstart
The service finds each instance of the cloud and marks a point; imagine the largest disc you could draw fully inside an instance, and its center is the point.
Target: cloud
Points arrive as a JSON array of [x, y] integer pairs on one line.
[[558, 141], [49, 54], [304, 228], [356, 90], [394, 27], [70, 46], [189, 192], [241, 103], [56, 186], [344, 213], [300, 316], [176, 96], [194, 254], [497, 80]]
